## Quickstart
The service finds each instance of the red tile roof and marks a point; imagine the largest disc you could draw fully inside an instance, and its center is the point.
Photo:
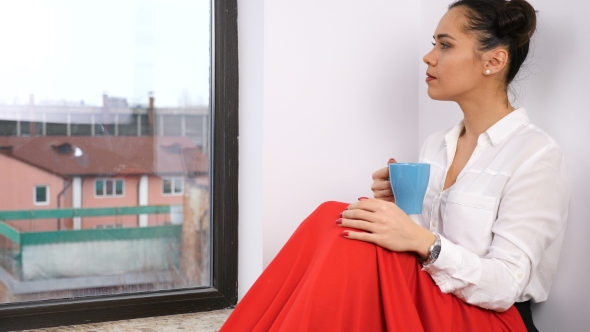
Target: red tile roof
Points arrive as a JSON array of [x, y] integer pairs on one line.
[[69, 156]]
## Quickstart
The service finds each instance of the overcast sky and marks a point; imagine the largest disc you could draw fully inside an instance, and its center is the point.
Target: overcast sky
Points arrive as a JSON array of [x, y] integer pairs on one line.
[[77, 49]]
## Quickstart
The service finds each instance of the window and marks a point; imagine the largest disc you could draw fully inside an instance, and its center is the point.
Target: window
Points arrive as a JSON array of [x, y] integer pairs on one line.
[[172, 185], [41, 195], [109, 187], [118, 134]]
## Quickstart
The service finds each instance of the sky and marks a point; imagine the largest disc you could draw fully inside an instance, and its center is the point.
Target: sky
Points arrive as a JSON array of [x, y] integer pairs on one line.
[[76, 50]]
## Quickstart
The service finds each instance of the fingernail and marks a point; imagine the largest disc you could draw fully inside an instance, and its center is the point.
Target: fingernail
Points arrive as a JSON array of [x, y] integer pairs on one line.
[[340, 214], [391, 160], [345, 233], [362, 197], [339, 221]]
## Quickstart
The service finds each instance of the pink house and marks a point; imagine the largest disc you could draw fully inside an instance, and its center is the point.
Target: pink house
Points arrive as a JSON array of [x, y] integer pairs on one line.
[[51, 172]]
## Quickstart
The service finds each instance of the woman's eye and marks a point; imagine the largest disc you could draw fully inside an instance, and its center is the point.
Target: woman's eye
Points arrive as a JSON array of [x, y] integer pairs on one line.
[[442, 45]]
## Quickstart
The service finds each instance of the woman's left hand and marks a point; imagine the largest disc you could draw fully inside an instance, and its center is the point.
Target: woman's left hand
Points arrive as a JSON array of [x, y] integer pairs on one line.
[[386, 225]]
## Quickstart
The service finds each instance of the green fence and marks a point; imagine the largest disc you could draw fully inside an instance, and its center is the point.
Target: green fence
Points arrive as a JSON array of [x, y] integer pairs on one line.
[[84, 235], [82, 212]]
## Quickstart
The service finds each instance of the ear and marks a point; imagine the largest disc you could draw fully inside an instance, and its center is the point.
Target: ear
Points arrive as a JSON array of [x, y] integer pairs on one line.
[[495, 61]]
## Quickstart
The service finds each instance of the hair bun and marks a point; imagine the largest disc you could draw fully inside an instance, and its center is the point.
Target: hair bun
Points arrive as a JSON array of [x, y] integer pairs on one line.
[[501, 23], [518, 20]]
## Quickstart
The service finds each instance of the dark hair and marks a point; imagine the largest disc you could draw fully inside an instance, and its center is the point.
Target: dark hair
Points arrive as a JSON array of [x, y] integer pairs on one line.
[[502, 23]]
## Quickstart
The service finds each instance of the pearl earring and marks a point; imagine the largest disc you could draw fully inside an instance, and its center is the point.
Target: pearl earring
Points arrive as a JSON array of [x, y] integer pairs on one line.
[[488, 71]]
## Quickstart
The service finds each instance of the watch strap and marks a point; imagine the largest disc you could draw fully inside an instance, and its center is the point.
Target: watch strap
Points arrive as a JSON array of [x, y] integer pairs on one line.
[[433, 252]]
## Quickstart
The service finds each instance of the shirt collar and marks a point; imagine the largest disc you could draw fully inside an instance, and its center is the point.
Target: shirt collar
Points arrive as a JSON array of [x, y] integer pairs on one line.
[[498, 131], [507, 125]]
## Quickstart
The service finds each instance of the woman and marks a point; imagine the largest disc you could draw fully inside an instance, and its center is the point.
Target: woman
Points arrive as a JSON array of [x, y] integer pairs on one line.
[[494, 211]]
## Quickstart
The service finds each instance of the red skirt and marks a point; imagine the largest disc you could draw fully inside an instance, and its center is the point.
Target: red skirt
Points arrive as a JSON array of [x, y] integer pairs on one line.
[[321, 281]]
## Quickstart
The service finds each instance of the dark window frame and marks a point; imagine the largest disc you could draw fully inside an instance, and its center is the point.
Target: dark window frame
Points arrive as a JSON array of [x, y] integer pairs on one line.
[[223, 292]]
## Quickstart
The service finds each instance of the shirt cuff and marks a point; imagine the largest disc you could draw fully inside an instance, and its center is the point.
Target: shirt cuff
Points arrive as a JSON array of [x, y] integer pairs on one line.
[[446, 264]]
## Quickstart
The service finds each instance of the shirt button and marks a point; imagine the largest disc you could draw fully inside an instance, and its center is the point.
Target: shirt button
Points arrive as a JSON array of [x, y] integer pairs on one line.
[[519, 275]]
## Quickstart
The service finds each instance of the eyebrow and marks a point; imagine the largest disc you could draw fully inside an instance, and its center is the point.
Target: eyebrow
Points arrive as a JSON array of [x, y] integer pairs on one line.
[[443, 35]]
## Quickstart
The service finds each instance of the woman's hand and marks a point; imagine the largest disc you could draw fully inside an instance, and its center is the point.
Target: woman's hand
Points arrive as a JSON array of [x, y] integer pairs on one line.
[[381, 187], [386, 225]]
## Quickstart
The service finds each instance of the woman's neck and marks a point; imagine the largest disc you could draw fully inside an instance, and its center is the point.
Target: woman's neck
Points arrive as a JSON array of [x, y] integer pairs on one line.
[[482, 113]]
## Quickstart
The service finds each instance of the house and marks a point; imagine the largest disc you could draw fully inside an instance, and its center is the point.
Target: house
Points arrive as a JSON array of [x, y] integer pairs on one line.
[[44, 175], [97, 171]]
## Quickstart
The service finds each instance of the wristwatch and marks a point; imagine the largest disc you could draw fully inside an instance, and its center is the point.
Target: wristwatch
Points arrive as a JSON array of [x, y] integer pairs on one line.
[[433, 252]]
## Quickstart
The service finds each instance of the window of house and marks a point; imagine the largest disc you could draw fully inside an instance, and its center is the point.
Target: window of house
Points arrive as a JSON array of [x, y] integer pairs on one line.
[[41, 195], [154, 91], [172, 185], [109, 187]]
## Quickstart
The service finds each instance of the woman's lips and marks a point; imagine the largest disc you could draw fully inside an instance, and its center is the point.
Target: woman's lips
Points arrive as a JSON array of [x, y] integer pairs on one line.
[[429, 77]]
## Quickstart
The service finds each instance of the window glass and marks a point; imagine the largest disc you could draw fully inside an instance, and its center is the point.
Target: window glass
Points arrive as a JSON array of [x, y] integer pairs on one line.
[[119, 188], [109, 187], [105, 112], [80, 124], [41, 194], [7, 128], [99, 187], [167, 185], [177, 185]]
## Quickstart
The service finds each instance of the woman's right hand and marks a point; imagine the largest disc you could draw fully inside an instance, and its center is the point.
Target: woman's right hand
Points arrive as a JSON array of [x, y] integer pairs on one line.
[[381, 187]]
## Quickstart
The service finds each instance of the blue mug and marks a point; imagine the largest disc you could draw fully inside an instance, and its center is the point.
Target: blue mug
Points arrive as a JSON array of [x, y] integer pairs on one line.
[[409, 182]]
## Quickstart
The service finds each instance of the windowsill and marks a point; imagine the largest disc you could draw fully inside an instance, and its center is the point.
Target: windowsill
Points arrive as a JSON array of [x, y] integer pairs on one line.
[[198, 322]]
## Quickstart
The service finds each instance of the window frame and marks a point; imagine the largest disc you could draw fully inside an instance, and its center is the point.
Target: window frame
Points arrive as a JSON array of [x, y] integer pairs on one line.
[[223, 292], [172, 186], [104, 188], [47, 195]]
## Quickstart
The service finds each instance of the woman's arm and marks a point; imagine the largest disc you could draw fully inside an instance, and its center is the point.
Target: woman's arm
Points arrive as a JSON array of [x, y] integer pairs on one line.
[[531, 217]]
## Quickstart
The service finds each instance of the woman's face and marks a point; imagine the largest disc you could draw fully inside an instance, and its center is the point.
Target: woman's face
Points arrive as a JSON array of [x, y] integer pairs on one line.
[[454, 68]]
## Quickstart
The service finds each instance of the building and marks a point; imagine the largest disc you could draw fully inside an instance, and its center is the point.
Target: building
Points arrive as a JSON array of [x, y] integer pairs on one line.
[[93, 212], [92, 172], [114, 118]]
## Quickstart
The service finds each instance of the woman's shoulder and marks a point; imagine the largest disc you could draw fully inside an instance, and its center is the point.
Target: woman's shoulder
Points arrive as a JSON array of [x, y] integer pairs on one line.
[[535, 142], [532, 134]]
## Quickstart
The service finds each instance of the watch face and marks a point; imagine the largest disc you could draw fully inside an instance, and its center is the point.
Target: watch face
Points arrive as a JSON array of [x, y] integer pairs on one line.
[[435, 252]]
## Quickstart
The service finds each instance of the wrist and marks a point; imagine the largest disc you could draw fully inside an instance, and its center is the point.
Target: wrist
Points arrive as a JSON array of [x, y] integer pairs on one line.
[[425, 241], [433, 252]]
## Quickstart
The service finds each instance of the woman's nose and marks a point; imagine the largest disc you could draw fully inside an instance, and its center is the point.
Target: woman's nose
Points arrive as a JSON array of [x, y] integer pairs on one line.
[[429, 58]]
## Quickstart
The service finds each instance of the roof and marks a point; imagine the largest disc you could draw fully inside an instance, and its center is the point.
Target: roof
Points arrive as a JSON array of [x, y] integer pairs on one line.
[[69, 156]]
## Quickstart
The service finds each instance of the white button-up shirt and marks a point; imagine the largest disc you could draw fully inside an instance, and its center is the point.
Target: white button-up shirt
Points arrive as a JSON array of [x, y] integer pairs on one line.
[[502, 222]]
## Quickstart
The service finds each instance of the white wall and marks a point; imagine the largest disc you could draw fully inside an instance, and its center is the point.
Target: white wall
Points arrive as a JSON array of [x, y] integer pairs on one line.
[[250, 199], [330, 89], [326, 97], [434, 115], [556, 93], [339, 100], [554, 90]]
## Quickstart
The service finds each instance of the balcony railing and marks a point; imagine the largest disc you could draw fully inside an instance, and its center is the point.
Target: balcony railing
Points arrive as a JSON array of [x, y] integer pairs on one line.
[[69, 259]]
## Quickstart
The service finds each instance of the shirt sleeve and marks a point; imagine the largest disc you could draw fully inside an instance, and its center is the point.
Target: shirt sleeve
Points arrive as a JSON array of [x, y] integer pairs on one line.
[[531, 214]]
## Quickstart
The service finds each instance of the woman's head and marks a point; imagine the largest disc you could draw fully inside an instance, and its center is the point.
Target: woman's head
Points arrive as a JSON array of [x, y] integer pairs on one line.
[[477, 43]]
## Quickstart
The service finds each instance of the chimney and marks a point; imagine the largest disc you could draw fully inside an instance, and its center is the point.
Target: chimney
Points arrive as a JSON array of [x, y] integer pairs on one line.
[[152, 115]]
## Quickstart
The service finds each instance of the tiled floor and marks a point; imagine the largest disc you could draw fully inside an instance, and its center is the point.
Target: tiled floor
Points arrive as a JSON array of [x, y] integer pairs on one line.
[[198, 322]]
